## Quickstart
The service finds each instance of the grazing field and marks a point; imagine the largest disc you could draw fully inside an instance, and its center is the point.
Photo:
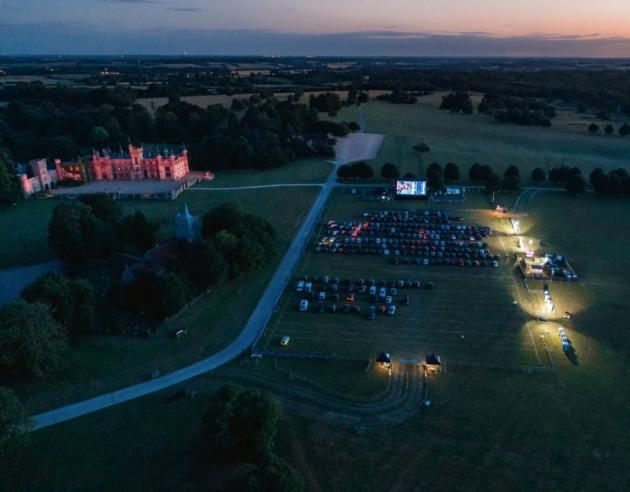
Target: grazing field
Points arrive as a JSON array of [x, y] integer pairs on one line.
[[152, 103], [102, 363], [468, 318], [466, 139]]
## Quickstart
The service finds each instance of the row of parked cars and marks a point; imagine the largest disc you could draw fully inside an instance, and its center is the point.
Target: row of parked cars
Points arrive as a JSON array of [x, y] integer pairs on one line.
[[387, 307], [326, 283], [425, 235]]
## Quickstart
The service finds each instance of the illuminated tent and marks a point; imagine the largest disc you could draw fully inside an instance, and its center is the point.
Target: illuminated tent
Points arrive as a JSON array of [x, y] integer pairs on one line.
[[384, 358], [432, 360]]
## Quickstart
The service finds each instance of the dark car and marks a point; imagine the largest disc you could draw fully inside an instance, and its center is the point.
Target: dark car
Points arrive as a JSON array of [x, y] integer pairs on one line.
[[372, 312]]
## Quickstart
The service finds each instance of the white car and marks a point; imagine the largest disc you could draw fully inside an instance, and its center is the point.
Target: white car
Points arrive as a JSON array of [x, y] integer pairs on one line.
[[372, 290], [303, 305], [284, 341], [322, 296], [382, 292], [388, 300], [391, 310], [308, 286], [300, 286]]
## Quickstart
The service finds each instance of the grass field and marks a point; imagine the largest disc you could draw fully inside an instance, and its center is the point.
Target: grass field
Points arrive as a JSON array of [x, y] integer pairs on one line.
[[302, 171], [487, 428], [468, 318], [27, 223], [103, 363], [466, 139]]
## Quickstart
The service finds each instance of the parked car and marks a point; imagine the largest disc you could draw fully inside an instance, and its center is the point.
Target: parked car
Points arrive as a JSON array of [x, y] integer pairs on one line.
[[300, 286], [388, 299], [372, 312], [391, 310], [382, 292], [303, 305], [406, 300], [284, 341], [320, 307], [322, 296], [372, 290], [332, 308], [308, 286]]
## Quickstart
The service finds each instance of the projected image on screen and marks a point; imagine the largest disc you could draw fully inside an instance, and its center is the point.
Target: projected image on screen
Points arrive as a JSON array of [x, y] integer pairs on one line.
[[411, 188]]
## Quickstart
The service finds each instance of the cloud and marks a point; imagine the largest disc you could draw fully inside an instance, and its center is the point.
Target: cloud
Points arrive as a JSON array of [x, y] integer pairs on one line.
[[185, 9], [73, 39]]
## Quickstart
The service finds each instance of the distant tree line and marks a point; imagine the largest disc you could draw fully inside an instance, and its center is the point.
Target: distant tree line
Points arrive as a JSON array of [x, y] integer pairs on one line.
[[65, 123], [456, 102], [526, 111], [399, 96]]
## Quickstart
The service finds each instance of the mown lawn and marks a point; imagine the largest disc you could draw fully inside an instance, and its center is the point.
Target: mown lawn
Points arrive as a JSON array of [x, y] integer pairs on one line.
[[486, 429], [302, 171], [103, 363]]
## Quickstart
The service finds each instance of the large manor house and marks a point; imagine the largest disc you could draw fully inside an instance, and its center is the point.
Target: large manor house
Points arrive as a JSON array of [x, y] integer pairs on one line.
[[138, 163]]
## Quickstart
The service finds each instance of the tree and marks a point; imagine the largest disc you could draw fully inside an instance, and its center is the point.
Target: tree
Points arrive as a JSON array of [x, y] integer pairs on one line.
[[202, 264], [242, 425], [493, 182], [435, 180], [624, 130], [451, 172], [475, 172], [596, 174], [609, 129], [593, 128], [512, 183], [173, 294], [14, 426], [144, 232], [103, 206], [72, 303], [421, 148], [98, 137], [9, 190], [31, 341], [389, 171], [512, 172], [76, 234], [275, 475], [539, 175], [576, 184], [485, 171]]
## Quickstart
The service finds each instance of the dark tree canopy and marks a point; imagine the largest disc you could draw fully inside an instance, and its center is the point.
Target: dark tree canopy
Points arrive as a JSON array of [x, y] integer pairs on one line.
[[72, 302], [14, 426], [576, 184], [32, 343], [389, 171], [242, 426], [539, 175], [457, 102], [451, 172]]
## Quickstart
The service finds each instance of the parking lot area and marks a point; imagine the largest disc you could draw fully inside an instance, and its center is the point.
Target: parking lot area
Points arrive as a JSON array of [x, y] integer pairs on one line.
[[467, 315]]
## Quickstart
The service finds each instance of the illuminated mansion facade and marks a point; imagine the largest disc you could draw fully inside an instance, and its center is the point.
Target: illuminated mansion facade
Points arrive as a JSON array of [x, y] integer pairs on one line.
[[137, 163]]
